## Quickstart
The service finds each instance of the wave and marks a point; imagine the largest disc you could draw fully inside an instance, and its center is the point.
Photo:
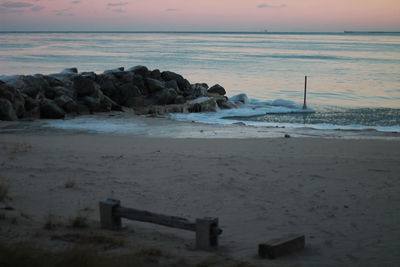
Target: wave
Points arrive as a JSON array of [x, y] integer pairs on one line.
[[287, 113]]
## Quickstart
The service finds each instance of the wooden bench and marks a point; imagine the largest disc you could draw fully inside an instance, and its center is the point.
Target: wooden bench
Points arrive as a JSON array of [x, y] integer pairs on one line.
[[206, 229]]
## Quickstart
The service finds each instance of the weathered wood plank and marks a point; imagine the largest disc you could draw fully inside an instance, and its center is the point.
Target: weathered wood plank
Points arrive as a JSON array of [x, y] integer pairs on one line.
[[280, 246], [146, 216]]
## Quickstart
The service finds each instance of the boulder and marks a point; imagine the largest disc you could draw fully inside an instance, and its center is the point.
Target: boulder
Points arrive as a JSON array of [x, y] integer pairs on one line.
[[92, 103], [15, 81], [183, 84], [7, 112], [90, 75], [226, 104], [159, 110], [67, 103], [108, 104], [15, 97], [50, 110], [33, 113], [124, 93], [53, 92], [154, 85], [19, 104], [101, 78], [141, 70], [197, 90], [179, 100], [69, 71], [108, 88], [97, 93], [172, 84], [53, 81], [64, 80], [117, 70], [84, 86], [7, 92], [201, 104], [169, 75], [82, 108], [240, 99], [34, 84], [217, 89], [125, 76], [204, 85], [165, 97], [155, 74], [139, 82], [55, 95], [30, 103], [71, 106], [135, 102]]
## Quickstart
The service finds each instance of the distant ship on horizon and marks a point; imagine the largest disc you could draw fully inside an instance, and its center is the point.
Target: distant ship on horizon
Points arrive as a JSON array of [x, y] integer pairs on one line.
[[371, 32]]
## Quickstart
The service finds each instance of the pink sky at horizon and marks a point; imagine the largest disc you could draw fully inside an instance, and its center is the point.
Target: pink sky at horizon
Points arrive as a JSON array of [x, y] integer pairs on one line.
[[205, 15]]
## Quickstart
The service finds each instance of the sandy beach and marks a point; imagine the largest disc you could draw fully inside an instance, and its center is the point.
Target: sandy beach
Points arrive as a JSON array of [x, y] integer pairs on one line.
[[343, 195]]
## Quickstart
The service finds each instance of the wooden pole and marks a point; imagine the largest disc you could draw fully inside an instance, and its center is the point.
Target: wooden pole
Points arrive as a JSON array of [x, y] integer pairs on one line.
[[305, 92]]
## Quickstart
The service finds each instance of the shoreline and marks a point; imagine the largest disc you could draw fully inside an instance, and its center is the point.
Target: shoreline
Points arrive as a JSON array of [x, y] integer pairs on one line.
[[129, 124]]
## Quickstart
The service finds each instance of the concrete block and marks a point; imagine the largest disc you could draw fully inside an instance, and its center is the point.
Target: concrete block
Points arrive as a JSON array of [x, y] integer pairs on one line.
[[206, 234], [281, 246], [107, 219]]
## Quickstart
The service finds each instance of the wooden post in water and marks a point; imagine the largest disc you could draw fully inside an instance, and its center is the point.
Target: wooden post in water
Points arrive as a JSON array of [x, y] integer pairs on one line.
[[305, 92]]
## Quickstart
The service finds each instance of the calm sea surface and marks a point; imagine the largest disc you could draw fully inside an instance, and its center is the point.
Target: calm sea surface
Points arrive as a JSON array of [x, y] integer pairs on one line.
[[353, 79]]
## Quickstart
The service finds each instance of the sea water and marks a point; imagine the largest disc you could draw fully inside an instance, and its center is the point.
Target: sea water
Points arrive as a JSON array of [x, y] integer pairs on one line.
[[353, 78]]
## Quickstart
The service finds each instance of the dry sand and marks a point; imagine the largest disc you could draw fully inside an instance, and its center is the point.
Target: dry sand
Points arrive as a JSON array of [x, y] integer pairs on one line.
[[344, 195]]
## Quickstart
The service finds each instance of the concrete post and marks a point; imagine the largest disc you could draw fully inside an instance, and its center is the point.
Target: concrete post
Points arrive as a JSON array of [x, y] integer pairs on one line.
[[206, 233], [107, 219]]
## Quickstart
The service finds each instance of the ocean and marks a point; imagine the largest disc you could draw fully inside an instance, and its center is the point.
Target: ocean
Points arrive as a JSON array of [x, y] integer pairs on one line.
[[353, 79]]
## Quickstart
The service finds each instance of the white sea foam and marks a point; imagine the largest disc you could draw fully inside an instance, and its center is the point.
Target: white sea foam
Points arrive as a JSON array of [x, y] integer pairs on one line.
[[127, 124], [96, 124], [254, 108], [211, 126]]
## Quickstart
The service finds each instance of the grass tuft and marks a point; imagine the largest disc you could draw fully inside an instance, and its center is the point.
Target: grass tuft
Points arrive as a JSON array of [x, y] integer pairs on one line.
[[70, 184], [79, 222], [49, 223], [3, 192], [149, 252], [107, 242], [14, 220], [18, 148], [24, 215], [101, 240], [85, 255], [79, 256]]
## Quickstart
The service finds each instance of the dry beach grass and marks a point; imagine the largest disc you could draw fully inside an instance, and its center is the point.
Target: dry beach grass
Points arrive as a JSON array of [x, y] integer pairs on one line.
[[342, 194]]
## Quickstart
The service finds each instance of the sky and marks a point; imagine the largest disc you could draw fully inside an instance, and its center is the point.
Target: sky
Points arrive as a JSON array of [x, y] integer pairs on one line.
[[200, 15]]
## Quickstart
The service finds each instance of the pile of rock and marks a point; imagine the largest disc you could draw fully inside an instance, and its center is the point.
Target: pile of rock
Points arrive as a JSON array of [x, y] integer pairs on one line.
[[69, 92]]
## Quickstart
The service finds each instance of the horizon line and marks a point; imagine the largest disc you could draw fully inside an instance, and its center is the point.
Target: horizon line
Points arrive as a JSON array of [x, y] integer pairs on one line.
[[221, 32]]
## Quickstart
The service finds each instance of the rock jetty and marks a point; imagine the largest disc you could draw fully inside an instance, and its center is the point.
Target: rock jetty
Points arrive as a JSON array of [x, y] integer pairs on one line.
[[145, 91]]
